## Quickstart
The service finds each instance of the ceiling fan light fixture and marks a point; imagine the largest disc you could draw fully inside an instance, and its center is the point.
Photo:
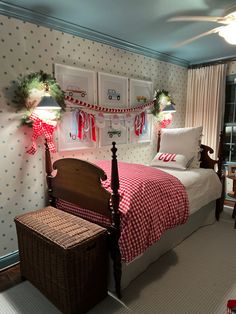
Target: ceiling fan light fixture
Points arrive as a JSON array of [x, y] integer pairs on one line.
[[229, 33]]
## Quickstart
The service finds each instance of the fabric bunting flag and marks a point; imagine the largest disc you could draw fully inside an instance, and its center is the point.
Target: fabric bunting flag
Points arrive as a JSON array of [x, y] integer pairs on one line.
[[100, 120], [139, 123], [86, 125]]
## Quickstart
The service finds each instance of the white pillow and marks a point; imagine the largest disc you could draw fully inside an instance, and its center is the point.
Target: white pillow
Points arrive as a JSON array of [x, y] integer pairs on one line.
[[183, 141], [168, 160]]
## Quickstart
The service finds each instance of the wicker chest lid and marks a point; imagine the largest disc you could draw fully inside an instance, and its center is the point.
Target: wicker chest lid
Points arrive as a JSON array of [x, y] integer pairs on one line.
[[64, 229]]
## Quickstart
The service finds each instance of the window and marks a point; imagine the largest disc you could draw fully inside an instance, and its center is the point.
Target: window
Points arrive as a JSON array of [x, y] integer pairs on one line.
[[230, 120]]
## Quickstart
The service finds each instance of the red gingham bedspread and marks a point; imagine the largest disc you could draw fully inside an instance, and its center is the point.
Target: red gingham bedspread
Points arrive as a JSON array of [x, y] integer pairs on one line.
[[152, 201]]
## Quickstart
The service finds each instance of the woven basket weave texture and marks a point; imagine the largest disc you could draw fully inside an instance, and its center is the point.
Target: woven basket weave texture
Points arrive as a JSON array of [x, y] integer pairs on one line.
[[65, 257]]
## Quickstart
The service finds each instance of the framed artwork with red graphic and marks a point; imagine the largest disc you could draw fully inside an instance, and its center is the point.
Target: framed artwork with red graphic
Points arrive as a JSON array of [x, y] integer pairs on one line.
[[77, 83], [141, 92], [141, 131], [71, 137]]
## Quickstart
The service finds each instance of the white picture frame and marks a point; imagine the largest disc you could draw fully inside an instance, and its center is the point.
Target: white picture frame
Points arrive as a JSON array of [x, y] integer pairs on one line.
[[76, 82], [112, 90], [110, 133], [68, 139], [141, 92], [146, 136]]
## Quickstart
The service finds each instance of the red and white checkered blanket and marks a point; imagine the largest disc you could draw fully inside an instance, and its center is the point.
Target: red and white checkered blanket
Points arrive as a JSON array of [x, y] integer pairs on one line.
[[152, 201]]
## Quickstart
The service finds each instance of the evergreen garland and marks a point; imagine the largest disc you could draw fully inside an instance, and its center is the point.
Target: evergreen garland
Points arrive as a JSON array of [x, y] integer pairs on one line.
[[36, 81], [159, 95]]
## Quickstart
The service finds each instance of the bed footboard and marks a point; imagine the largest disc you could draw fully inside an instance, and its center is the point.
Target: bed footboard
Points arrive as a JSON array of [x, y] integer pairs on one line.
[[79, 182]]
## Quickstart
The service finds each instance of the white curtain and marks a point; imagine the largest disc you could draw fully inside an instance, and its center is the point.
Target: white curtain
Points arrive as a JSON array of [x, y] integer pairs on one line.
[[205, 102]]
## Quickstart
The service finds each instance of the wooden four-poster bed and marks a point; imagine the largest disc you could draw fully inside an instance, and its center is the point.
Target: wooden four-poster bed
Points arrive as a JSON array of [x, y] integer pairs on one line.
[[82, 184]]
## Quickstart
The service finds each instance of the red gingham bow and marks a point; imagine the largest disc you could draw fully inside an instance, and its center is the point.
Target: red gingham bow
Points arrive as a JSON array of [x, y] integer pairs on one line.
[[165, 123], [39, 128]]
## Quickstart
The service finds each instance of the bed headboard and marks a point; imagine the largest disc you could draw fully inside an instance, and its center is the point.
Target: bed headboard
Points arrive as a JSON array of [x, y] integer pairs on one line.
[[208, 162], [205, 159]]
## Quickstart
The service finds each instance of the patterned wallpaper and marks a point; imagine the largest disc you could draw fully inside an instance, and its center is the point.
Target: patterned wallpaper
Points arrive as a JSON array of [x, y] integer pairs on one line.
[[26, 48], [231, 70]]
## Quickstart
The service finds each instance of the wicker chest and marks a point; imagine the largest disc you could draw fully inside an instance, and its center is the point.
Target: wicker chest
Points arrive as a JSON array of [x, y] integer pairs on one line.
[[65, 257]]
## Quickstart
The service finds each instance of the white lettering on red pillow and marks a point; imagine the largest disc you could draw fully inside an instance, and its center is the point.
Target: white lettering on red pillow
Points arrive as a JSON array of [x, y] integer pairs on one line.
[[170, 160]]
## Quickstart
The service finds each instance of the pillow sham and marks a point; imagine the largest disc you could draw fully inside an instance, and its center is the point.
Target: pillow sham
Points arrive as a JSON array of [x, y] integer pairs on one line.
[[167, 160], [183, 141]]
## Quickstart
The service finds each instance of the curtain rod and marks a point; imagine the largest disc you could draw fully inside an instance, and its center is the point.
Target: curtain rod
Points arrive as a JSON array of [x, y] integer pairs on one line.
[[213, 62]]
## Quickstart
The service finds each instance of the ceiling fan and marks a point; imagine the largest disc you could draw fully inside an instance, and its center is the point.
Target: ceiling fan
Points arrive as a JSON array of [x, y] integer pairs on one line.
[[227, 31]]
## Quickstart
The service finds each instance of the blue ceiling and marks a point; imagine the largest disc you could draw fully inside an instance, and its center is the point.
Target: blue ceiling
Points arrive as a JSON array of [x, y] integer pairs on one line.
[[136, 25]]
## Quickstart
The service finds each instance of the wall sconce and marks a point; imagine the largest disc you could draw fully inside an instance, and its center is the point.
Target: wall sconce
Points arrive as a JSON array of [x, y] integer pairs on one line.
[[169, 108], [42, 99], [163, 107], [48, 110], [44, 118], [167, 113], [48, 103]]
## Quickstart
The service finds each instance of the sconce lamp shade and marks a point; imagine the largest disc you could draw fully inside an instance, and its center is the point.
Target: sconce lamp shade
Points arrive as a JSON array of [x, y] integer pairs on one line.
[[169, 108], [48, 102]]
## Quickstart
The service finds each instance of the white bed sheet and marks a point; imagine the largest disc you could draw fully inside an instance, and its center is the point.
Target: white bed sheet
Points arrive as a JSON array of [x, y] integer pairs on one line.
[[202, 185]]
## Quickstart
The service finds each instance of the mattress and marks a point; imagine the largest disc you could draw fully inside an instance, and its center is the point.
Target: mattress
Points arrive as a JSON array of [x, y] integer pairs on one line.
[[202, 186]]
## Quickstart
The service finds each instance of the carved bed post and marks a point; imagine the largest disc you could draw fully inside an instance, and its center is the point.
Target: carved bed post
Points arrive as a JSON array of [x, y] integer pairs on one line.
[[115, 229], [48, 167], [221, 175], [158, 140], [220, 156]]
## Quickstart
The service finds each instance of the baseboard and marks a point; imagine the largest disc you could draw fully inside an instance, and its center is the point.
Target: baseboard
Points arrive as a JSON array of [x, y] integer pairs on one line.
[[9, 259]]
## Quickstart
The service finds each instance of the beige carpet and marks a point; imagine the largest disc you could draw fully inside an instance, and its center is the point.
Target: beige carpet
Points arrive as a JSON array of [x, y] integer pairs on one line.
[[198, 276]]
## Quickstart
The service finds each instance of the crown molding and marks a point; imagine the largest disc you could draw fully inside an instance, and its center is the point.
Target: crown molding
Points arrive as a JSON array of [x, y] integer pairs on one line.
[[27, 15], [213, 61]]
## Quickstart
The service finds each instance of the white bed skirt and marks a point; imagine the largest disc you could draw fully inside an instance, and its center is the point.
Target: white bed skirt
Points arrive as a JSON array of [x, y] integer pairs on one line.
[[170, 239]]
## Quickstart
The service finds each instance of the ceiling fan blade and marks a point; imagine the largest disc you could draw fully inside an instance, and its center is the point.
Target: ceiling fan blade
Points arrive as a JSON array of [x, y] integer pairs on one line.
[[212, 31], [217, 19]]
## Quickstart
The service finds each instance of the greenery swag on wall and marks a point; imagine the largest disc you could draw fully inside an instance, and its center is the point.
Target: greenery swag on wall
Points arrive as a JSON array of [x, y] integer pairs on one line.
[[31, 88], [161, 99]]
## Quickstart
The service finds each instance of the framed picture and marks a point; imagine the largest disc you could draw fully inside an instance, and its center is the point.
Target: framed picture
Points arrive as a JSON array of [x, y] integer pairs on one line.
[[78, 83], [68, 137], [141, 92], [146, 136], [112, 90], [113, 133]]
